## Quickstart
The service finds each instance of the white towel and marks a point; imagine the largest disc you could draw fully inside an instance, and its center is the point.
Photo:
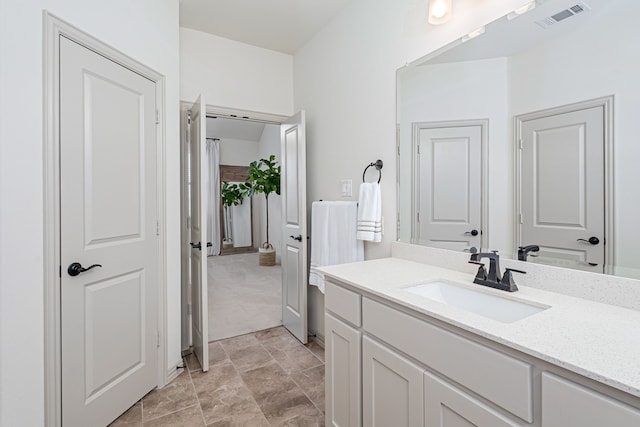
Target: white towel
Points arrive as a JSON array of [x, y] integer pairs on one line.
[[370, 212], [333, 237]]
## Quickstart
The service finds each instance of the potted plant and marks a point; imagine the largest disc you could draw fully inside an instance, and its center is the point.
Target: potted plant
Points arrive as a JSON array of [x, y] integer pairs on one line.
[[232, 194], [264, 177]]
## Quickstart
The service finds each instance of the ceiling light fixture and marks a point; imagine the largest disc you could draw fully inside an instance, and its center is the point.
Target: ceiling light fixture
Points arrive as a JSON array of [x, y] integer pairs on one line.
[[522, 10], [473, 34], [439, 11]]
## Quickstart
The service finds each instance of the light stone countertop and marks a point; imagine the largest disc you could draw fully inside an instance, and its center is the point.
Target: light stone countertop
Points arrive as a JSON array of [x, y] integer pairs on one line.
[[596, 340]]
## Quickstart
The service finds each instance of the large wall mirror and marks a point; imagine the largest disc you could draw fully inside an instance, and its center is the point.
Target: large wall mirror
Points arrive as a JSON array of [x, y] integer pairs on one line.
[[236, 227], [527, 132]]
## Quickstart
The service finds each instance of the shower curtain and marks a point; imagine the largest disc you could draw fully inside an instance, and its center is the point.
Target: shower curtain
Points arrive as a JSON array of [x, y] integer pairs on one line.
[[213, 197]]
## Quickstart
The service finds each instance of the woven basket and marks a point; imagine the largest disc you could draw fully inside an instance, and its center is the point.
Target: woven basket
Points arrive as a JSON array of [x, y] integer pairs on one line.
[[267, 255]]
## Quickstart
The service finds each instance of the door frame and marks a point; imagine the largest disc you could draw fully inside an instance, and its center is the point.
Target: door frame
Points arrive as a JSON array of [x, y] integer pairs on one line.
[[416, 127], [185, 221], [606, 102], [53, 29]]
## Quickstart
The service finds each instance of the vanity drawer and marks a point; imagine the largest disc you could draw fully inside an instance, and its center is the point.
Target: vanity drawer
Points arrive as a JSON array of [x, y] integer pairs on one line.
[[499, 378], [344, 303], [567, 403]]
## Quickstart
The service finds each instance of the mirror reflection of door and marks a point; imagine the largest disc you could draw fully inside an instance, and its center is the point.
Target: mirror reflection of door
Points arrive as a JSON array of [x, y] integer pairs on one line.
[[236, 227], [562, 185], [448, 186]]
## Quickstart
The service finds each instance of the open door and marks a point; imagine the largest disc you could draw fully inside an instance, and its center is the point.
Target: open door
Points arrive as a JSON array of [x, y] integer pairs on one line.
[[199, 302], [293, 190]]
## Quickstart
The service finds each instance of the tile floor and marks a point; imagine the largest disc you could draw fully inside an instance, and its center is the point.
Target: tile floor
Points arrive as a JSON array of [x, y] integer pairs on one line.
[[243, 296], [265, 378]]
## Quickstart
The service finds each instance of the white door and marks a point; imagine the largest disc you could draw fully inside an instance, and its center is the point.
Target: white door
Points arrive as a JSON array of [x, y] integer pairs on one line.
[[185, 231], [199, 185], [562, 193], [108, 216], [448, 189], [294, 226]]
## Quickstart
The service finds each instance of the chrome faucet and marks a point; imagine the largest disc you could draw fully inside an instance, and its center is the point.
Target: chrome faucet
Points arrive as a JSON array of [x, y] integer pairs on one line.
[[493, 279]]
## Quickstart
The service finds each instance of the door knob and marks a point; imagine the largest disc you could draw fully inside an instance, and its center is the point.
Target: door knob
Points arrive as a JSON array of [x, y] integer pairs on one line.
[[298, 238], [473, 232], [196, 245], [76, 268], [592, 240]]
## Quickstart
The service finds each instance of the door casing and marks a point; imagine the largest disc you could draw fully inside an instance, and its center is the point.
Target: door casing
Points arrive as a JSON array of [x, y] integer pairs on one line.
[[53, 29], [608, 152]]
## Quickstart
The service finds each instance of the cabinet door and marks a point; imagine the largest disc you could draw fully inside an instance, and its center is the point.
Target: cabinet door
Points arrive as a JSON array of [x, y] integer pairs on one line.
[[565, 403], [447, 406], [343, 395], [392, 388]]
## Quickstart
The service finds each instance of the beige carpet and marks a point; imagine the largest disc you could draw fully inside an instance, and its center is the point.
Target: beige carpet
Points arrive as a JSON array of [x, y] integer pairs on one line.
[[243, 297]]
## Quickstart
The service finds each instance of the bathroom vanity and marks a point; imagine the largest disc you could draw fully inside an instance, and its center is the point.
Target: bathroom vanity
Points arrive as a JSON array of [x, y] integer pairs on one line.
[[395, 357]]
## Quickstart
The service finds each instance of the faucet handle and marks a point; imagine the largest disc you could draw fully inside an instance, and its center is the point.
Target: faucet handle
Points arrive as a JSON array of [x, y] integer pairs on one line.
[[507, 280], [482, 273]]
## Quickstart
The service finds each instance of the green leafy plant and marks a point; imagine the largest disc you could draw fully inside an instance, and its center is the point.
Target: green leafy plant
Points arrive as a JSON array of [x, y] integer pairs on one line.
[[264, 177], [232, 194]]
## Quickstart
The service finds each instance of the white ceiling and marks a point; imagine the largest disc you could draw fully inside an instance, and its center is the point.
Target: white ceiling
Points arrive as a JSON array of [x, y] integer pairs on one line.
[[224, 128], [280, 25]]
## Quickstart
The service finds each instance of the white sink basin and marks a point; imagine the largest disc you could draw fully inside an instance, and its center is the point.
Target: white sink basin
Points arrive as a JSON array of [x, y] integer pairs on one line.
[[491, 306]]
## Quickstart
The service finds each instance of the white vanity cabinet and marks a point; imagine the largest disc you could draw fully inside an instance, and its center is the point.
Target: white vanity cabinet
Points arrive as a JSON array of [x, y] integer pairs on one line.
[[566, 403], [447, 406], [392, 388], [343, 369], [388, 365]]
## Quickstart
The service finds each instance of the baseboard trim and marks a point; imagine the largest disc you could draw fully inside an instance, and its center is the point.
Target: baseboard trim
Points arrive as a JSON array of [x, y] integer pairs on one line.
[[319, 339]]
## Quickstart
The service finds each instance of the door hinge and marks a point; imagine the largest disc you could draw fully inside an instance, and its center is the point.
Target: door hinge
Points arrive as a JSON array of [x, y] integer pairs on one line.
[[158, 335], [398, 147], [418, 216], [157, 228], [520, 143], [521, 218], [60, 271], [418, 148], [157, 116]]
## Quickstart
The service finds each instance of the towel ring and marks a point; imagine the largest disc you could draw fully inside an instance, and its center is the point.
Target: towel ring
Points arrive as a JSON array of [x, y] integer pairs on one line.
[[378, 166]]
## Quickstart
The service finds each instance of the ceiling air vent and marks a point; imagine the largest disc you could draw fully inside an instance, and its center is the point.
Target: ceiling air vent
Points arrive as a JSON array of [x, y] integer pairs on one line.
[[562, 15]]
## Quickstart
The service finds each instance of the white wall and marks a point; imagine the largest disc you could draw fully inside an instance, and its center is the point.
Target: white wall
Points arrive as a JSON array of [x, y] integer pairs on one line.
[[146, 30], [270, 144], [234, 75], [345, 79], [461, 91], [237, 152]]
